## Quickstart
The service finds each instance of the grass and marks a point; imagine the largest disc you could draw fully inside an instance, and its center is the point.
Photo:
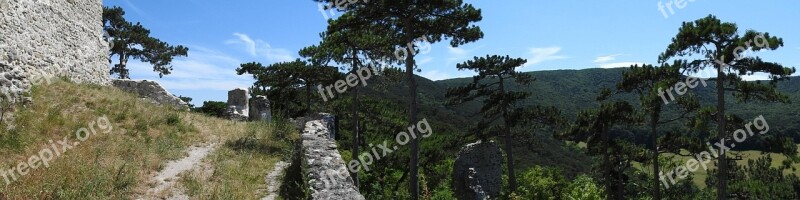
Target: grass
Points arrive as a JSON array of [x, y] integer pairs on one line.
[[241, 163], [699, 176], [119, 164]]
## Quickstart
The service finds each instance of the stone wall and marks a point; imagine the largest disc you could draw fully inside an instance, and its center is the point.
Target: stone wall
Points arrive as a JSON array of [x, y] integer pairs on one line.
[[150, 90], [40, 39], [323, 166]]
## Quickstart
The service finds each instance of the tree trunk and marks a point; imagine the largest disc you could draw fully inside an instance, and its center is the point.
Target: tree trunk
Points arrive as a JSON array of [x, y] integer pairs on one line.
[[355, 131], [512, 178], [654, 135], [620, 188], [308, 97], [413, 188], [355, 121], [722, 174], [123, 62], [609, 172]]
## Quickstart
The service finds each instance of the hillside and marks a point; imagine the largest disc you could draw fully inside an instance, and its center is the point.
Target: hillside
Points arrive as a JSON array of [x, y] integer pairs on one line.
[[571, 91], [129, 148], [574, 90]]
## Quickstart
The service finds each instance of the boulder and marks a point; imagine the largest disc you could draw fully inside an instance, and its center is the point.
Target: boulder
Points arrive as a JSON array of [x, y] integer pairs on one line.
[[478, 171], [259, 109]]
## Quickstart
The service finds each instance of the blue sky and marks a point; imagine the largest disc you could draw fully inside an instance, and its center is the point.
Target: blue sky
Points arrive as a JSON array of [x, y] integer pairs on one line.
[[549, 34]]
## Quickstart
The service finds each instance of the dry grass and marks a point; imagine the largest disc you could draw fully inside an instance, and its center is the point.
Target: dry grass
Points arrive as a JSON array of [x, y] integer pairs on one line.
[[116, 165], [241, 162]]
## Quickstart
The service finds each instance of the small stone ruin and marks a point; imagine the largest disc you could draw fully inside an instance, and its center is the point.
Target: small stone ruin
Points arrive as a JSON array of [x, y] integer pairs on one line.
[[478, 171], [259, 108], [243, 108], [238, 105]]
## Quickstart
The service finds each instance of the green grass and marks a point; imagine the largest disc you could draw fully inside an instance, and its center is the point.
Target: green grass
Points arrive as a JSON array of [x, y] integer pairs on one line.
[[699, 176]]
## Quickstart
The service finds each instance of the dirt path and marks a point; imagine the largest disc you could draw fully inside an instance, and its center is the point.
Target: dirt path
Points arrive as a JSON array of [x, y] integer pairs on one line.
[[274, 180], [165, 180]]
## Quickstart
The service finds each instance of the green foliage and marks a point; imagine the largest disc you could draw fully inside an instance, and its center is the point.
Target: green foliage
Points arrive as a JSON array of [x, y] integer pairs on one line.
[[549, 183], [188, 101], [720, 45], [404, 22], [498, 102], [583, 188], [541, 183], [134, 41], [285, 80], [213, 108]]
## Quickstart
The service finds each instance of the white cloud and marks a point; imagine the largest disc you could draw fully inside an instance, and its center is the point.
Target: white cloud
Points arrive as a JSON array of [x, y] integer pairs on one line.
[[203, 69], [619, 64], [256, 48], [539, 55], [756, 76], [424, 60], [608, 58], [455, 51], [458, 55], [436, 75]]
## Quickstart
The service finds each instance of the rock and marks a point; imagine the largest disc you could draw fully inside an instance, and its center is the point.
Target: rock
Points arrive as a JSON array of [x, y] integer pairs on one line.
[[330, 122], [238, 105], [478, 171], [259, 109], [327, 176], [151, 91]]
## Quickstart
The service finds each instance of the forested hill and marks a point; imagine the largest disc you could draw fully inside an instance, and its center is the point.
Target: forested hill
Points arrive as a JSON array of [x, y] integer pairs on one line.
[[574, 90]]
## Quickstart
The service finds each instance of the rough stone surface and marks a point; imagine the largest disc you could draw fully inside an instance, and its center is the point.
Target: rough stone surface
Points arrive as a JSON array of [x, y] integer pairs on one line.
[[13, 82], [328, 177], [238, 104], [150, 90], [259, 108], [330, 123], [40, 39], [478, 171]]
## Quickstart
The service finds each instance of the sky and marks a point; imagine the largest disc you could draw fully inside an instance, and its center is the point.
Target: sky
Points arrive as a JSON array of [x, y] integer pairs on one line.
[[551, 35]]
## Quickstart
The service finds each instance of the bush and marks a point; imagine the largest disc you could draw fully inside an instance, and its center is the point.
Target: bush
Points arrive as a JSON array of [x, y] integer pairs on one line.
[[213, 108], [583, 188]]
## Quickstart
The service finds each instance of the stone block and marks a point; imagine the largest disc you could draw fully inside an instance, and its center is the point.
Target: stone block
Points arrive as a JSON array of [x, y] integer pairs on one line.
[[478, 171]]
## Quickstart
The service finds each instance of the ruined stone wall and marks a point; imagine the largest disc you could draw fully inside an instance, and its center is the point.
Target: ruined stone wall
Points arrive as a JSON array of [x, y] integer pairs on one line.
[[40, 39], [323, 165], [150, 90]]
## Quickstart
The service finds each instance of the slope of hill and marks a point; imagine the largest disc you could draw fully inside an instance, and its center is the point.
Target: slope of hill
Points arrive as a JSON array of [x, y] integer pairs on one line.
[[571, 91], [97, 142], [575, 90]]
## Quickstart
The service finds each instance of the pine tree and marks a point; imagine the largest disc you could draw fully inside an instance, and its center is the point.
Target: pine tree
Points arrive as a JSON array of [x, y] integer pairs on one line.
[[649, 82], [500, 110], [134, 41], [722, 47], [407, 20]]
